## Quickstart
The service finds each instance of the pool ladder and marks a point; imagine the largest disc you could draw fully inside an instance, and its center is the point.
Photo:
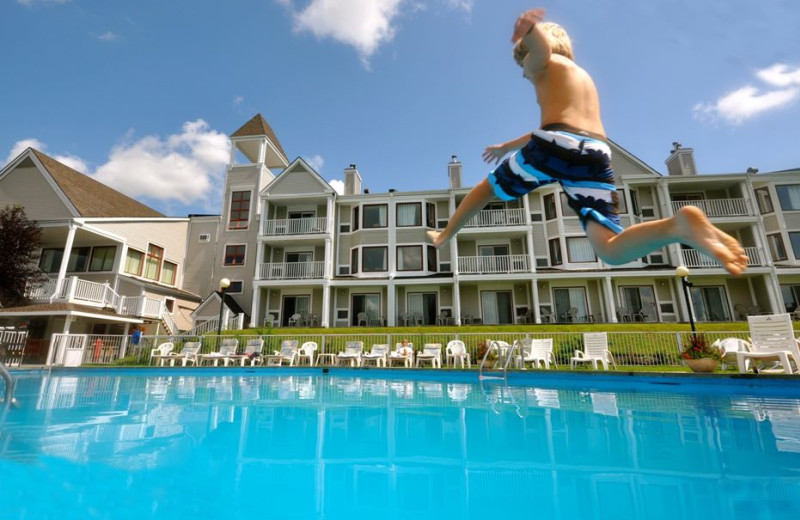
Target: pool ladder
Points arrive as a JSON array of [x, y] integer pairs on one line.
[[9, 399], [505, 355]]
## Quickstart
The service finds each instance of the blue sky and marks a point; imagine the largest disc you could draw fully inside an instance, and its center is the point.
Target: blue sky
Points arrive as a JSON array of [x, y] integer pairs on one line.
[[143, 94]]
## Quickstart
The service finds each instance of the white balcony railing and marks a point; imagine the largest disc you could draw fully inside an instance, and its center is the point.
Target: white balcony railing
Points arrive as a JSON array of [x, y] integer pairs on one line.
[[694, 258], [493, 264], [497, 217], [295, 226], [720, 207], [291, 270]]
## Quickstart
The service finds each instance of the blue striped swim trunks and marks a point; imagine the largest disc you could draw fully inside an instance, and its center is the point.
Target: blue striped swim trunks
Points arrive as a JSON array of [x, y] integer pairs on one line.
[[581, 164]]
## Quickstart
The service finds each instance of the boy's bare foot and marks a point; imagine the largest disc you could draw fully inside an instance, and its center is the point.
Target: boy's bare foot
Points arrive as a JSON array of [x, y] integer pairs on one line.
[[694, 229], [435, 237]]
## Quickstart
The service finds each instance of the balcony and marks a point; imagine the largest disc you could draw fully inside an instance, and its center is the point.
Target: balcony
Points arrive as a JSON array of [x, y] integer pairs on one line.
[[291, 270], [720, 207], [493, 264], [497, 217], [295, 226], [694, 258]]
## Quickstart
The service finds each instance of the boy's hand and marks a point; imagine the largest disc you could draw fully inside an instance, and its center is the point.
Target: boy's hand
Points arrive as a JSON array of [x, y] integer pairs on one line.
[[493, 153], [525, 23]]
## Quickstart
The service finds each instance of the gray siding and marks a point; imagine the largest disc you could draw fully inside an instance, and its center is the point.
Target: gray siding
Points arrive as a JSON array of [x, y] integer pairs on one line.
[[28, 187]]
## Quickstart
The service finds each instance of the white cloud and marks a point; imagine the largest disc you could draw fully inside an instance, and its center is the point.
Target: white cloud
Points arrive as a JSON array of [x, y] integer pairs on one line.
[[238, 100], [750, 101], [186, 168], [316, 162], [364, 25], [337, 185], [74, 162], [108, 37]]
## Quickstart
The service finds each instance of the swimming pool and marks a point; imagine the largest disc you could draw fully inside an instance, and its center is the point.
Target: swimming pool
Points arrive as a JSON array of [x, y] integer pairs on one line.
[[286, 443]]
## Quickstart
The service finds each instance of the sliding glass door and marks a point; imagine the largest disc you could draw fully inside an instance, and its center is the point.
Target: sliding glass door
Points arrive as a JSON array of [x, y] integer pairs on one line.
[[496, 307]]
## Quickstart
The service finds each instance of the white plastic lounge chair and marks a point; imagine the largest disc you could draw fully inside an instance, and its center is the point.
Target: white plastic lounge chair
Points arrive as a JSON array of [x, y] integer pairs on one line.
[[772, 338], [252, 352], [378, 355], [288, 353], [226, 354], [161, 353], [307, 352], [187, 355], [402, 354], [456, 352], [352, 353], [595, 348], [431, 353], [537, 351]]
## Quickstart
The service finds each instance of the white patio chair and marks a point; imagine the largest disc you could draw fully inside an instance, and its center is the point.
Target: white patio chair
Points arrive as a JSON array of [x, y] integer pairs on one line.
[[378, 355], [307, 352], [537, 351], [772, 338], [161, 353], [729, 348], [402, 354], [288, 352], [362, 319], [595, 348], [352, 353], [431, 353], [294, 320], [187, 355], [456, 352]]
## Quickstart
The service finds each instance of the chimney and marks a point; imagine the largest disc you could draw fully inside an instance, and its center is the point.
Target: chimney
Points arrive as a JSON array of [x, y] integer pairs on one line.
[[454, 172], [352, 181], [681, 161]]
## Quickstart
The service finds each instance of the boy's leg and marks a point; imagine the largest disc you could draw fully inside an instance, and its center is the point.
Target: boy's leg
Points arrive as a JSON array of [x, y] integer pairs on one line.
[[476, 200], [689, 226]]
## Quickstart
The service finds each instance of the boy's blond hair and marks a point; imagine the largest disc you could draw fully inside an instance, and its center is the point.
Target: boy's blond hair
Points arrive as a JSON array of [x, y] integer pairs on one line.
[[556, 36]]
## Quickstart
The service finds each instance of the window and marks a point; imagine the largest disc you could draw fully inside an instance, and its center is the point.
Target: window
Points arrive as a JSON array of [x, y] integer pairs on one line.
[[794, 238], [375, 216], [355, 219], [240, 210], [354, 261], [635, 202], [408, 214], [579, 249], [234, 255], [764, 201], [550, 207], [133, 262], [168, 273], [776, 248], [430, 215], [204, 237], [565, 209], [555, 251], [152, 263], [373, 259], [791, 297], [789, 196], [432, 259], [235, 287], [169, 303], [50, 261], [409, 258], [103, 258]]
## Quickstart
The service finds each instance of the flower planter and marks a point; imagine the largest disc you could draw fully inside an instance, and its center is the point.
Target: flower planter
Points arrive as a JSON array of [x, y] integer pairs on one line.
[[702, 364]]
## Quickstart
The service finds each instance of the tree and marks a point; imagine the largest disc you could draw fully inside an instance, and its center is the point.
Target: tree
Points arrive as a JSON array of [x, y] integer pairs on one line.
[[19, 240]]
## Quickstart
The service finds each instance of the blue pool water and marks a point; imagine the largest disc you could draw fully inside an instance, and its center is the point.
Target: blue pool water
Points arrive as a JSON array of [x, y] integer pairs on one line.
[[205, 444]]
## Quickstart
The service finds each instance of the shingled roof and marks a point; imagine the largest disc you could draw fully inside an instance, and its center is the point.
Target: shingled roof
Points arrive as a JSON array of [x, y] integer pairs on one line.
[[92, 198], [259, 126]]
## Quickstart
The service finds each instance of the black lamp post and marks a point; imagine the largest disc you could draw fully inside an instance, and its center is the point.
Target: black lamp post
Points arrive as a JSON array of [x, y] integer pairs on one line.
[[682, 272], [223, 285]]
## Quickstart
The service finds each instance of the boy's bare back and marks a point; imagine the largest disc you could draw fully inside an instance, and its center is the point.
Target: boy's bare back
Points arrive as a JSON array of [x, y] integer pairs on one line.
[[565, 92]]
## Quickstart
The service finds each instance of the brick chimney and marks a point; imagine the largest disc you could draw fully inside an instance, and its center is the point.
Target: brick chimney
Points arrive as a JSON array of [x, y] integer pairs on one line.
[[681, 161], [454, 172], [352, 181]]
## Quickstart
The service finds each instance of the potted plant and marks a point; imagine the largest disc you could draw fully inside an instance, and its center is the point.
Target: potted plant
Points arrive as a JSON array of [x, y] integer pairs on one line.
[[699, 355], [482, 348]]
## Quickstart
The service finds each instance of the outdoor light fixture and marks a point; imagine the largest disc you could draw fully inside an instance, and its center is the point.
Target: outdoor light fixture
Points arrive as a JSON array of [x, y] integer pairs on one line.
[[682, 272], [223, 286]]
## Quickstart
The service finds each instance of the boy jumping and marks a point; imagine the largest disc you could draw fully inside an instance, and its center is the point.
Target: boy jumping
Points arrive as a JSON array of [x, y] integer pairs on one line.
[[570, 148]]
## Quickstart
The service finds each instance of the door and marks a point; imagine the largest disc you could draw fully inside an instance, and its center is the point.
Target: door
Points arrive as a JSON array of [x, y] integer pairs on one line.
[[568, 298], [710, 304], [368, 303], [423, 304], [294, 305], [637, 299], [493, 259], [298, 264], [496, 307]]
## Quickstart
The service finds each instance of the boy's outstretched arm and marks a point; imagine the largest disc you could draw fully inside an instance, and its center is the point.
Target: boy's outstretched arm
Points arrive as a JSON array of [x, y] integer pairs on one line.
[[493, 153], [530, 42]]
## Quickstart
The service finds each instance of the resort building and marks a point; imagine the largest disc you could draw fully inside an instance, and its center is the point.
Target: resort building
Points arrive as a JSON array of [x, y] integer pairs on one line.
[[297, 253]]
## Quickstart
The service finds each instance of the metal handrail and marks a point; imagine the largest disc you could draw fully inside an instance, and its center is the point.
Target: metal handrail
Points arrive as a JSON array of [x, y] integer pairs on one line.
[[9, 400]]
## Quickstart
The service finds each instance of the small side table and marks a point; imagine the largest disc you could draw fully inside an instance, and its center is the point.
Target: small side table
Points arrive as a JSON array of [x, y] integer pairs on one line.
[[273, 361], [327, 359]]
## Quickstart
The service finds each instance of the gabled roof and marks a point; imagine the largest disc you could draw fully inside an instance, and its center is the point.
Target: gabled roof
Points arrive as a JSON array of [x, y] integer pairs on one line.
[[646, 167], [90, 197], [299, 165], [259, 126]]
